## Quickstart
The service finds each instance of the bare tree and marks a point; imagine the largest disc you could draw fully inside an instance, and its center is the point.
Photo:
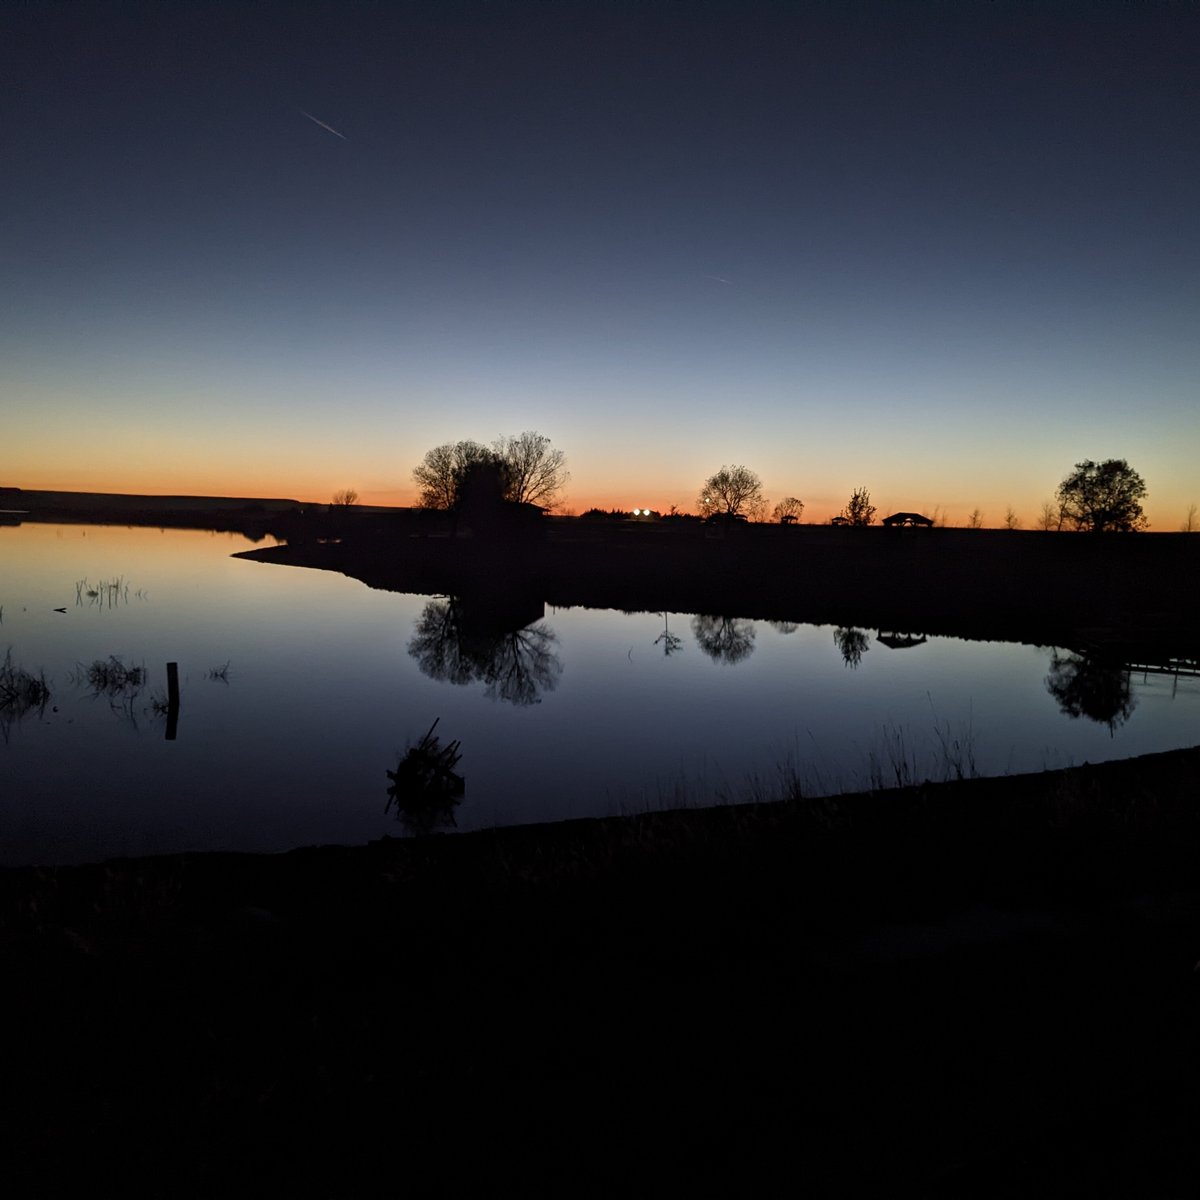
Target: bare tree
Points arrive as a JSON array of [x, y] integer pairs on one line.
[[1103, 497], [975, 520], [788, 507], [537, 473], [732, 491], [441, 471], [859, 510], [1190, 522], [346, 498], [1050, 517], [1011, 520]]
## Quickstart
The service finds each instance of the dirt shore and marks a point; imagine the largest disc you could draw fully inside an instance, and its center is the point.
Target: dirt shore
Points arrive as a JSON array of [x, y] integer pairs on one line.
[[981, 988]]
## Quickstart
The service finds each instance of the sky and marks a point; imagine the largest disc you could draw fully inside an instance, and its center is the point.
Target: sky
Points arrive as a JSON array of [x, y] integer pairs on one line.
[[943, 251]]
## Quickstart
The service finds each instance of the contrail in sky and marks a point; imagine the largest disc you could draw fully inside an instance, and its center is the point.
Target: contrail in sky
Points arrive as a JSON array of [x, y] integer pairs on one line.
[[322, 125]]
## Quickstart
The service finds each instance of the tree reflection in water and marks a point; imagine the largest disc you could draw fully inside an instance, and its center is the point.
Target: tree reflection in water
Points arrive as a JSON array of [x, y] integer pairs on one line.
[[853, 643], [724, 639], [1086, 686], [515, 665], [671, 643]]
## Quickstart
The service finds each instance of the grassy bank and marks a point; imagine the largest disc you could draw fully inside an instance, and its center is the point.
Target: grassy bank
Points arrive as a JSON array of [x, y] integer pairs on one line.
[[976, 988]]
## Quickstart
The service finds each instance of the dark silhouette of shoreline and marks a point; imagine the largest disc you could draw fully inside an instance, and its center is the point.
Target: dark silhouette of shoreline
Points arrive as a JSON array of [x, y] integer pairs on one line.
[[1127, 595], [982, 987], [254, 517]]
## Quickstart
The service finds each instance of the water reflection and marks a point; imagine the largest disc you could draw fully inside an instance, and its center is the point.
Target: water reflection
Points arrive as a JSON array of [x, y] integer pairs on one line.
[[724, 639], [107, 593], [901, 641], [1087, 686], [111, 679], [465, 640], [670, 642], [21, 693], [853, 643]]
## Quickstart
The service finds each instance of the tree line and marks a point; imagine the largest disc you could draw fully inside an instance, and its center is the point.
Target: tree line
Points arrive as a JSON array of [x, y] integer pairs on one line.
[[1099, 497]]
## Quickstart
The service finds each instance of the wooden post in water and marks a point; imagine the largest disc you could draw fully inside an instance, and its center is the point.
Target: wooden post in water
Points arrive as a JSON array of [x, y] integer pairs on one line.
[[172, 699]]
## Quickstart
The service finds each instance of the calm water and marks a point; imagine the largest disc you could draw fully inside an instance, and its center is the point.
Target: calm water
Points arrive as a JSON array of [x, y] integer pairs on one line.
[[583, 712]]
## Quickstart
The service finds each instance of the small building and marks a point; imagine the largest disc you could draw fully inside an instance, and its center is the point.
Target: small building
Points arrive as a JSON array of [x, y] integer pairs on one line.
[[911, 519], [840, 521]]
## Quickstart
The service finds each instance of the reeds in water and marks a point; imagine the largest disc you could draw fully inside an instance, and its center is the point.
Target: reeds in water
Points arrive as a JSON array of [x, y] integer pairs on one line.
[[21, 692], [108, 593], [111, 677]]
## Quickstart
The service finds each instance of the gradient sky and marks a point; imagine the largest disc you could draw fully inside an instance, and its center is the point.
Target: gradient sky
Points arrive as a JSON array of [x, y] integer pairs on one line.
[[941, 250]]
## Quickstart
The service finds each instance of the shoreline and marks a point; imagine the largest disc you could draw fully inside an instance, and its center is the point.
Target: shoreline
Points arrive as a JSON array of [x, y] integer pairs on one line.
[[980, 987], [1118, 595]]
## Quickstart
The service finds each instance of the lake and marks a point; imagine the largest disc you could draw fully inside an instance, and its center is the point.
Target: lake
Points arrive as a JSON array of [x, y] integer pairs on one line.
[[299, 690]]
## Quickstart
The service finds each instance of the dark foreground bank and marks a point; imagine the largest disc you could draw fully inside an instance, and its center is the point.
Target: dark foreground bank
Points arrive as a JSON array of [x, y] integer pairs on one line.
[[983, 988]]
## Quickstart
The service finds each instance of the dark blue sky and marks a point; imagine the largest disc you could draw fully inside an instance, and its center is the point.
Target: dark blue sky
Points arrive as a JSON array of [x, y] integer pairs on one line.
[[942, 250]]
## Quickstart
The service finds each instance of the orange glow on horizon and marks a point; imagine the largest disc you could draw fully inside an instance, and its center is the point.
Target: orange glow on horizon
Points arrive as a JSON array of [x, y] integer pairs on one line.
[[281, 483]]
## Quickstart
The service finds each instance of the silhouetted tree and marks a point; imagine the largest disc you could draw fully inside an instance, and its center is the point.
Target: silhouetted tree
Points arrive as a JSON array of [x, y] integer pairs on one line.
[[1011, 520], [534, 472], [789, 506], [537, 473], [1190, 524], [1103, 497], [975, 520], [1085, 686], [859, 510], [733, 491], [440, 473], [1050, 517], [853, 643], [346, 498], [724, 639]]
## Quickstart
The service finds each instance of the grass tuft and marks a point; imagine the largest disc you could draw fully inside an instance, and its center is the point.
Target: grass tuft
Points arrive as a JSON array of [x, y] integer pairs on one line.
[[21, 692]]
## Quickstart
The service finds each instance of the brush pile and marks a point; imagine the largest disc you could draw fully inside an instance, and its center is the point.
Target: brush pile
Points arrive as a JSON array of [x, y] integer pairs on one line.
[[424, 787]]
